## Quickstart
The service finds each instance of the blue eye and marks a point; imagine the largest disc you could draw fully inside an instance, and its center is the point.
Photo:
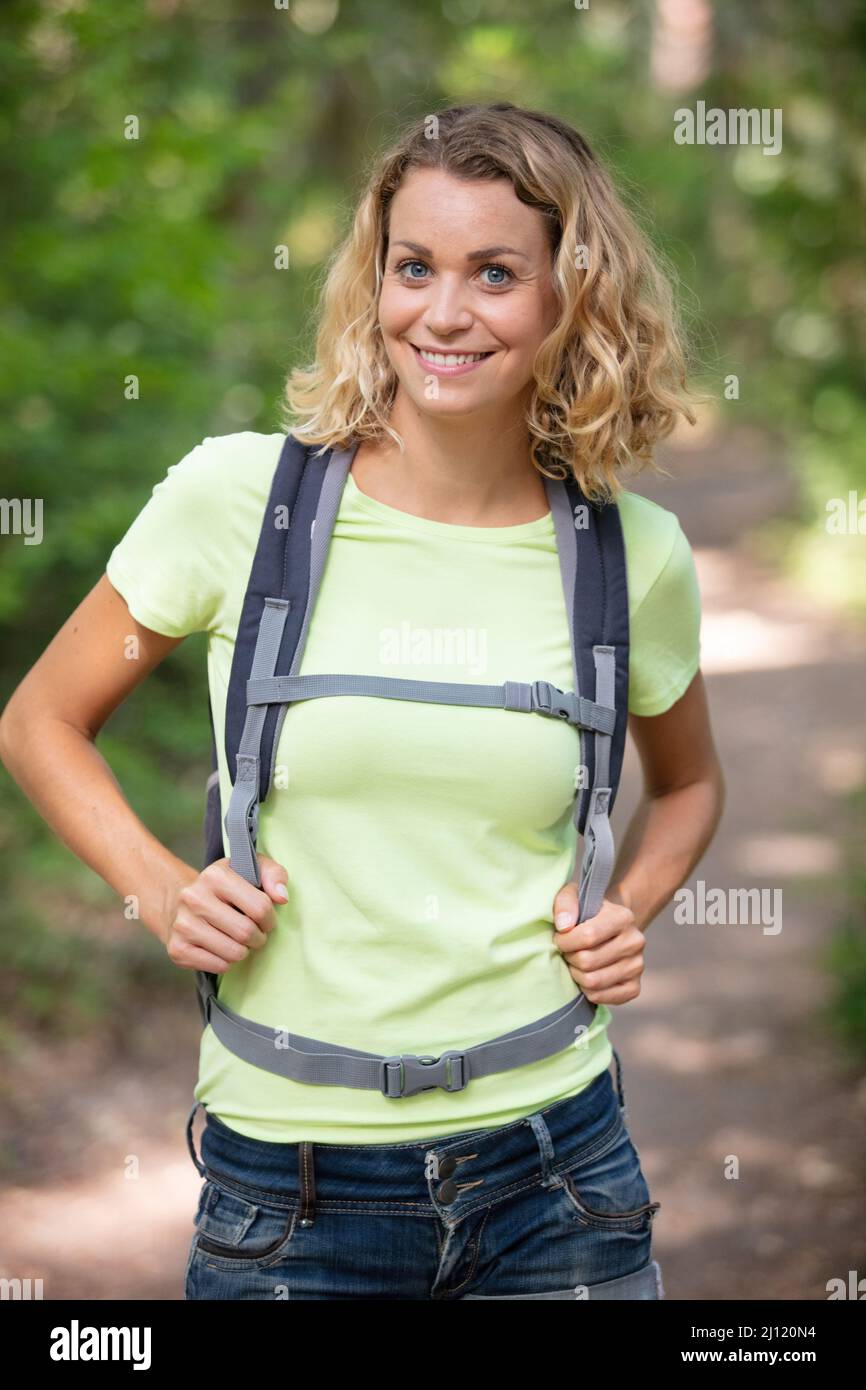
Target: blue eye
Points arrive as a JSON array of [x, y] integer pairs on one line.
[[404, 267], [503, 268]]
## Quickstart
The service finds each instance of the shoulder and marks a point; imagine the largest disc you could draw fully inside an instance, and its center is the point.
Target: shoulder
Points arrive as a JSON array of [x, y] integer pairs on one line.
[[202, 494], [664, 605], [210, 474], [245, 456], [244, 445], [219, 488], [190, 544], [654, 541]]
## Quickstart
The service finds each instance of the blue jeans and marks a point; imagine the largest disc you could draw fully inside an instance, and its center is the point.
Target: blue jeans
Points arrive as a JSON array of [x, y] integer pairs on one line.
[[554, 1205]]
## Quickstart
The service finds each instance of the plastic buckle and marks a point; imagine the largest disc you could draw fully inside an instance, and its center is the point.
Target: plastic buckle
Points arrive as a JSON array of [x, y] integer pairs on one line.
[[415, 1074], [549, 699]]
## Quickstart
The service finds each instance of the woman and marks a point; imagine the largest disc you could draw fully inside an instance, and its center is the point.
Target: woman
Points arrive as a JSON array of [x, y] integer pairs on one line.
[[493, 317]]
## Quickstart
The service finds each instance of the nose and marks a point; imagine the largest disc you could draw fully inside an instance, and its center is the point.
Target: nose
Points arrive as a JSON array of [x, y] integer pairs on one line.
[[446, 311]]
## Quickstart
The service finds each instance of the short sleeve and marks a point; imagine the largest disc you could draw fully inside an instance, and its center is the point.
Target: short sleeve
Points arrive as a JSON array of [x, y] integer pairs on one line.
[[169, 565], [665, 633]]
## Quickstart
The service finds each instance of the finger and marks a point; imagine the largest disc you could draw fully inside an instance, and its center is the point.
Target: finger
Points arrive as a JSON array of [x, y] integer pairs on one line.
[[621, 994], [619, 947], [611, 977], [566, 907], [202, 908], [225, 945], [275, 879], [592, 933], [198, 958], [230, 922], [231, 887]]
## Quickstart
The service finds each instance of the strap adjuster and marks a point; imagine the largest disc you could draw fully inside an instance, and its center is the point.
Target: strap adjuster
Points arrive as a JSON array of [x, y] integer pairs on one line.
[[409, 1073], [549, 699], [565, 704]]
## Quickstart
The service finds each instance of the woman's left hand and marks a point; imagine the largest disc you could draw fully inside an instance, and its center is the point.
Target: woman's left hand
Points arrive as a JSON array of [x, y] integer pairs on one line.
[[605, 953]]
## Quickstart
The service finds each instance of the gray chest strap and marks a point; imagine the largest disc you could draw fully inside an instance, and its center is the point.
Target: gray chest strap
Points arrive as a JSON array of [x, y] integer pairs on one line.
[[539, 697]]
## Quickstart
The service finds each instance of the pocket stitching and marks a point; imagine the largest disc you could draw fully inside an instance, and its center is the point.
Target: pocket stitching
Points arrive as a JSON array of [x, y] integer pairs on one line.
[[261, 1259], [231, 1255], [603, 1220]]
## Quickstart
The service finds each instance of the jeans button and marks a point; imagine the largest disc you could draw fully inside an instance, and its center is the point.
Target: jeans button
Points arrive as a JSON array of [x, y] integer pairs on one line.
[[446, 1192], [447, 1166]]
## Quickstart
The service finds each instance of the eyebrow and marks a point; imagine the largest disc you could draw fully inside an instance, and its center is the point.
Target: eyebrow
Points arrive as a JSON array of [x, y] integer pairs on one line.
[[482, 255]]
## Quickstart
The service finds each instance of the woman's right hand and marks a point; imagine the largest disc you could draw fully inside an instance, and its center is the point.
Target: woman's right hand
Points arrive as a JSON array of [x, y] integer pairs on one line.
[[219, 918]]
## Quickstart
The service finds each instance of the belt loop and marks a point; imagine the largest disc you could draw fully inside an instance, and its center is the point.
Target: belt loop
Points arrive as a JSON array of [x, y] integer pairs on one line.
[[306, 1170], [619, 1087], [545, 1144], [190, 1143]]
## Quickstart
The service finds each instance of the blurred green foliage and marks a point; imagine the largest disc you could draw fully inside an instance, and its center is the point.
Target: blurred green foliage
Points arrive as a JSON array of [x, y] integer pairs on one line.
[[154, 257]]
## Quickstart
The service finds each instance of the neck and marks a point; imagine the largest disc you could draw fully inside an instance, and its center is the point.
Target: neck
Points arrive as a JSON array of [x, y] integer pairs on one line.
[[464, 471]]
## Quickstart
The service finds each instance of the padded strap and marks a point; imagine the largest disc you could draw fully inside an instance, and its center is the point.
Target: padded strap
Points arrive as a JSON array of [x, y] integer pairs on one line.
[[321, 529], [284, 530]]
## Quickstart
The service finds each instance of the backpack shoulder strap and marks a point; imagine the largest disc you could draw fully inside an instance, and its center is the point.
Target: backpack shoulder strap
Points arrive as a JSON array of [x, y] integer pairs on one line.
[[267, 578], [593, 565], [281, 592]]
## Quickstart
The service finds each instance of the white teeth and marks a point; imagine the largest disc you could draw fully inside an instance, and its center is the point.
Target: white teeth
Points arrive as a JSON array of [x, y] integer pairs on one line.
[[451, 359]]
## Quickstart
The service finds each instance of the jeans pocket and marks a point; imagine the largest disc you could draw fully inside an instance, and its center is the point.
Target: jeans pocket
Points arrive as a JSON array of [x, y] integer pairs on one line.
[[235, 1232], [608, 1191]]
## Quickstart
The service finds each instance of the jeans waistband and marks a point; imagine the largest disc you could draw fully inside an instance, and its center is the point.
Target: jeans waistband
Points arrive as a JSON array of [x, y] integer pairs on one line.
[[445, 1176]]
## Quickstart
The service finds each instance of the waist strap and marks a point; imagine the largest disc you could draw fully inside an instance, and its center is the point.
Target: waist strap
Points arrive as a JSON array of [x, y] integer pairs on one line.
[[329, 1064]]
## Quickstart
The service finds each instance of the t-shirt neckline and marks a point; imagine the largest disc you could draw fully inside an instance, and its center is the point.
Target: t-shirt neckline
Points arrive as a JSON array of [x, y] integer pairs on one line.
[[541, 526]]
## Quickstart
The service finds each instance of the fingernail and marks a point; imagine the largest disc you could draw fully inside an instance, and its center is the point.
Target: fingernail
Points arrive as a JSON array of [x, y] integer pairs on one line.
[[282, 891], [564, 920]]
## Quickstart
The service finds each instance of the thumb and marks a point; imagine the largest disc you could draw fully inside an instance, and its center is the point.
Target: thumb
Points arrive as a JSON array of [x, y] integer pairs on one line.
[[275, 879], [566, 907]]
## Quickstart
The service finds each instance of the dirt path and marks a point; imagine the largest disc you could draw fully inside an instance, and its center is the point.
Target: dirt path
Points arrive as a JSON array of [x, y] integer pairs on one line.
[[723, 1055]]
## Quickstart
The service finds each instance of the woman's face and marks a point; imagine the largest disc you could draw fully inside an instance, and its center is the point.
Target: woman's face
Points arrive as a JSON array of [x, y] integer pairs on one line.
[[468, 271]]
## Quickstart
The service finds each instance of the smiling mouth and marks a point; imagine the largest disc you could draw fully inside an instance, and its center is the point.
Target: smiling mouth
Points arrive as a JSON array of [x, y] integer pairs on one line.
[[449, 359]]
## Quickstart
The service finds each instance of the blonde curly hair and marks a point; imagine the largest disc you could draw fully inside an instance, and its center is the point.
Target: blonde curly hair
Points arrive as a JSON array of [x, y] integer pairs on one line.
[[610, 378]]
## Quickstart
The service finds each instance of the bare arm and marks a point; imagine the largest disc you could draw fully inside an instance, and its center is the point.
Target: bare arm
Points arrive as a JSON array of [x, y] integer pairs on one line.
[[47, 742], [682, 802]]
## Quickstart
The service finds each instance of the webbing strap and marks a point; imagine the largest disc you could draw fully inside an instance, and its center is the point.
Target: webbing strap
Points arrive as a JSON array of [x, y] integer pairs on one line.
[[598, 847], [536, 697], [241, 819], [308, 1060]]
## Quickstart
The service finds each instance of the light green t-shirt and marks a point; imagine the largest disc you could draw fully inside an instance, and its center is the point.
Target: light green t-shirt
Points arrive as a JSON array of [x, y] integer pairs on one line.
[[424, 844]]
